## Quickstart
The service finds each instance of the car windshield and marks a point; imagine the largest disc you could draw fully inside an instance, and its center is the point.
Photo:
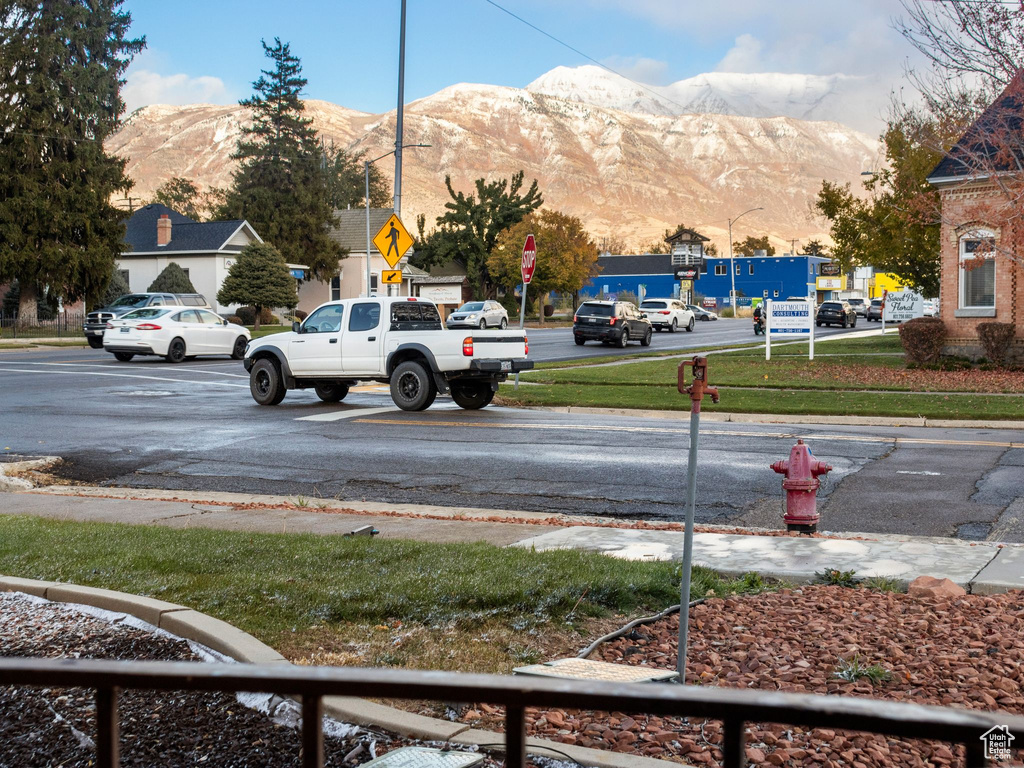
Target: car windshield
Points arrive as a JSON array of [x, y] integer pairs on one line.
[[831, 305], [131, 300], [876, 302], [596, 310], [146, 314], [473, 306], [653, 305], [856, 302]]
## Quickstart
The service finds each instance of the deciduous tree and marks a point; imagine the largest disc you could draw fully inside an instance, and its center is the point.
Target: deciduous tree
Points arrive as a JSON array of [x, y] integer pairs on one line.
[[181, 195], [60, 98], [751, 244], [259, 278], [346, 180]]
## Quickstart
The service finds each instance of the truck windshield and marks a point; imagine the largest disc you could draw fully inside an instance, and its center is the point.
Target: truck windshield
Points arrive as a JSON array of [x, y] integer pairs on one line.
[[131, 300]]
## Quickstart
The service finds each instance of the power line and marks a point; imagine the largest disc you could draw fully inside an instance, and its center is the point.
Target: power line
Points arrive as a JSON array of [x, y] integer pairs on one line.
[[587, 57]]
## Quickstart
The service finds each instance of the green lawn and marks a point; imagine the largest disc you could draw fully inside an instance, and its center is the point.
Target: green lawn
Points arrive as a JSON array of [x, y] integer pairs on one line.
[[267, 330]]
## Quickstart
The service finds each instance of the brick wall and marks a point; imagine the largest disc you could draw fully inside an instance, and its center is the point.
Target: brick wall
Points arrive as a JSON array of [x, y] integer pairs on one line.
[[965, 206]]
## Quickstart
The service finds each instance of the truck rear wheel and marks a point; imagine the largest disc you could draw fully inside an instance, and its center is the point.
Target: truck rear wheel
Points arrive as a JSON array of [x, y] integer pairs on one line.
[[332, 392], [412, 387], [472, 395], [266, 384]]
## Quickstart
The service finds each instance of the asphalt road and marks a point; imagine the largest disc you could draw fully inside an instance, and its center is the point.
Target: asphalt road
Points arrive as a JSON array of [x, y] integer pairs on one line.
[[194, 426], [556, 344]]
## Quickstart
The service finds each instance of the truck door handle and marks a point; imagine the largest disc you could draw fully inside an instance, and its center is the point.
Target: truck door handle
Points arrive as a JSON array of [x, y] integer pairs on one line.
[[333, 341], [372, 338]]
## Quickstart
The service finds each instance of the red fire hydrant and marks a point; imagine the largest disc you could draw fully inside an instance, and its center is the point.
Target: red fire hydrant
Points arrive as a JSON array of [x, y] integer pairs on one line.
[[801, 485]]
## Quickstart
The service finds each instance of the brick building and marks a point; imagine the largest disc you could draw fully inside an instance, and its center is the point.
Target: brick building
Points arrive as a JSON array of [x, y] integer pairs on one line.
[[982, 279]]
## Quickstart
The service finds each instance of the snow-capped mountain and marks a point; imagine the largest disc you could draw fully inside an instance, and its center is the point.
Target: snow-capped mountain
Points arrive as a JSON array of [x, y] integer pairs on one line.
[[837, 98]]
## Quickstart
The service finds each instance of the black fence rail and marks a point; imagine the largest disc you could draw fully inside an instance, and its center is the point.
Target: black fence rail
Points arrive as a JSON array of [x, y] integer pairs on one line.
[[65, 325], [734, 708]]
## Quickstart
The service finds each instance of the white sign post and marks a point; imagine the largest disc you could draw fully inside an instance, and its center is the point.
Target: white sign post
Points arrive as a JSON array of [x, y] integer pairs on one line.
[[790, 317]]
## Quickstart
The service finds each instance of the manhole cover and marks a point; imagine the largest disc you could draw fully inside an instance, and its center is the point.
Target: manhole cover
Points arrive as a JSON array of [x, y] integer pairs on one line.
[[588, 669], [422, 757]]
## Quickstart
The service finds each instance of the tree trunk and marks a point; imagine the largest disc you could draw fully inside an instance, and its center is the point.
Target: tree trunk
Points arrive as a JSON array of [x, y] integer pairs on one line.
[[540, 308], [27, 307], [256, 320]]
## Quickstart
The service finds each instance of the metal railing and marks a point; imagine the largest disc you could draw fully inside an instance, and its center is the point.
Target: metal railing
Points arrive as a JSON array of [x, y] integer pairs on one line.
[[64, 325], [733, 707]]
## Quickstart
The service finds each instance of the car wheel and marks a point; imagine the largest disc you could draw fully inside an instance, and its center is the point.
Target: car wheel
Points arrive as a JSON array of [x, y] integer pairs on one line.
[[124, 357], [331, 393], [674, 327], [176, 351], [472, 395], [854, 325], [96, 342], [579, 341], [646, 340], [818, 324], [238, 351], [412, 387], [846, 322], [266, 383], [689, 326], [483, 325], [504, 323], [704, 318], [623, 339]]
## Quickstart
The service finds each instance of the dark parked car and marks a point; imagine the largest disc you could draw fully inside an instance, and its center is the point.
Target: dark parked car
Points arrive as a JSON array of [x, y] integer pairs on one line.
[[96, 321], [836, 313], [874, 310], [611, 322]]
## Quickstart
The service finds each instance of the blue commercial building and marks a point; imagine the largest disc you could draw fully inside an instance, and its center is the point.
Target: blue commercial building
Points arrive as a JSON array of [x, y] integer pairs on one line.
[[647, 274], [772, 277]]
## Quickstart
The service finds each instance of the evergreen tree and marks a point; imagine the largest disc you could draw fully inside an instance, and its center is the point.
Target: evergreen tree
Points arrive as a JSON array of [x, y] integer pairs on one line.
[[116, 288], [470, 227], [816, 248], [180, 195], [172, 280], [46, 304], [751, 244], [60, 98], [346, 180], [259, 278], [280, 187]]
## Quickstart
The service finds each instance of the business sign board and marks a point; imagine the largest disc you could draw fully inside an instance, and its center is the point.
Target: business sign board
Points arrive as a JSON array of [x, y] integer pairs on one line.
[[709, 303], [829, 270], [442, 294], [790, 316], [688, 273], [831, 283], [901, 306]]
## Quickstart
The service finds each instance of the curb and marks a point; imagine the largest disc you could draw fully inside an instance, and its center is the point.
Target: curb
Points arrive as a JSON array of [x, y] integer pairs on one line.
[[18, 484], [243, 647]]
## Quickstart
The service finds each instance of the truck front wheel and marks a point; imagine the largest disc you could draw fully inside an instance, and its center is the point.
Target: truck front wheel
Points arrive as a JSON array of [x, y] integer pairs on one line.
[[412, 387], [472, 395], [266, 384]]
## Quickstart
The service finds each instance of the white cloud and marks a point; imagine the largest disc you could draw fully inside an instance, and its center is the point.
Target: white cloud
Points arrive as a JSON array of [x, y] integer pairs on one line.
[[144, 87], [639, 68]]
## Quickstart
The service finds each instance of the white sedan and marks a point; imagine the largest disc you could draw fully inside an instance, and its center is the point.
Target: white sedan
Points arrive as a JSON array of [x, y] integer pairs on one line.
[[667, 314], [175, 333]]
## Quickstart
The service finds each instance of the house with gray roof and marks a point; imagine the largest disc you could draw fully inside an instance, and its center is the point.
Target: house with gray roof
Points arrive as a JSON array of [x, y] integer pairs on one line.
[[157, 235]]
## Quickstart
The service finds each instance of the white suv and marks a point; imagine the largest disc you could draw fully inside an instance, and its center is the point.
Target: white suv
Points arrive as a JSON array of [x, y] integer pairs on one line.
[[667, 313]]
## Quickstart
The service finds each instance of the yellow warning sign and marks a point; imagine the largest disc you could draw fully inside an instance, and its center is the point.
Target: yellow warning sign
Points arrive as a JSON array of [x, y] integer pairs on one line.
[[391, 276], [393, 241]]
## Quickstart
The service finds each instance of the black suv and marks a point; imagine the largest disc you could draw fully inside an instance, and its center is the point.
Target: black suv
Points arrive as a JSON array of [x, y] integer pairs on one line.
[[96, 321], [836, 313], [617, 322]]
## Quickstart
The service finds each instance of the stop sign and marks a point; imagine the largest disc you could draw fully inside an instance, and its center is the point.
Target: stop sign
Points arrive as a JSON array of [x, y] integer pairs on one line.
[[529, 259]]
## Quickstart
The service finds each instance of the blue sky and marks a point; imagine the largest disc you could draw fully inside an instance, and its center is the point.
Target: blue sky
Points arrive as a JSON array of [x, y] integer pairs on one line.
[[210, 51]]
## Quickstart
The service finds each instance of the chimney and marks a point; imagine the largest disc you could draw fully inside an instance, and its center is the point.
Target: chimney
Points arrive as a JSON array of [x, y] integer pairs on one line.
[[163, 230]]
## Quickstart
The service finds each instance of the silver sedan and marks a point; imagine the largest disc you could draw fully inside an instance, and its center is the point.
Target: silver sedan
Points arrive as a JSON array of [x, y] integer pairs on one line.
[[479, 314]]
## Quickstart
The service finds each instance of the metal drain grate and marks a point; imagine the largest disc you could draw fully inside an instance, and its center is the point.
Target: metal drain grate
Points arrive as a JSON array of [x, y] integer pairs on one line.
[[588, 669], [422, 757]]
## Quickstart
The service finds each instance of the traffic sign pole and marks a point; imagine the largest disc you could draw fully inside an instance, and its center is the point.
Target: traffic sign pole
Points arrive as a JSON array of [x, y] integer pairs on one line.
[[527, 266]]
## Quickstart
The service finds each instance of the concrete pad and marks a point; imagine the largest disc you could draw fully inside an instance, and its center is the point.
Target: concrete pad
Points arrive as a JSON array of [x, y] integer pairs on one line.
[[362, 712], [220, 636], [146, 608], [793, 559], [598, 758], [27, 586], [1005, 572]]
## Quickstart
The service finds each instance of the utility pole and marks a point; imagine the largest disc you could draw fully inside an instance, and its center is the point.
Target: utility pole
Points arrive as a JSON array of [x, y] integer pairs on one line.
[[398, 123]]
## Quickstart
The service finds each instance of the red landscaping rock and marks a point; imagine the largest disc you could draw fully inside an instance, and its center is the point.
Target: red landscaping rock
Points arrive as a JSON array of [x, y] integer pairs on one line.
[[929, 586]]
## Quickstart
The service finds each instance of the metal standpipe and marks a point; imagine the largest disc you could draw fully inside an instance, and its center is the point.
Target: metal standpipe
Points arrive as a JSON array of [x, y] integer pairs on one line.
[[696, 391]]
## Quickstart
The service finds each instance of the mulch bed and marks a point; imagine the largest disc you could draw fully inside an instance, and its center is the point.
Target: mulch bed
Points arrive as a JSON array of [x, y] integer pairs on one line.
[[962, 652], [922, 379]]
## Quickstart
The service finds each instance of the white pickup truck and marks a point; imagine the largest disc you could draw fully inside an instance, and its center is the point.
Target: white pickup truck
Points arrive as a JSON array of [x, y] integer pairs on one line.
[[398, 340]]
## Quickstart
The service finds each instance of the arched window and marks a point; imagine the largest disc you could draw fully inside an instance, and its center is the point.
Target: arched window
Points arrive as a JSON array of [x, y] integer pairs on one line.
[[978, 270]]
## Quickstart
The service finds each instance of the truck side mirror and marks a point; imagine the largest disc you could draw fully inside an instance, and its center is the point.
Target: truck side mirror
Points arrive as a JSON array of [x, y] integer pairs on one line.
[[296, 328]]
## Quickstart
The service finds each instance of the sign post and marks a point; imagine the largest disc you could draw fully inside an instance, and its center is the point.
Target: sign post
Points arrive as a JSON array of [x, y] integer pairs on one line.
[[794, 317], [527, 266]]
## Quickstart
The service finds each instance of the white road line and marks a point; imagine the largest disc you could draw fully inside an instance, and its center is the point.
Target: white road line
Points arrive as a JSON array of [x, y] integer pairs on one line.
[[126, 376], [347, 414], [922, 472], [107, 366]]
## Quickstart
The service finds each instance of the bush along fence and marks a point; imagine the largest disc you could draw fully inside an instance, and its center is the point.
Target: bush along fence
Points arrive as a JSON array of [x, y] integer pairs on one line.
[[64, 325]]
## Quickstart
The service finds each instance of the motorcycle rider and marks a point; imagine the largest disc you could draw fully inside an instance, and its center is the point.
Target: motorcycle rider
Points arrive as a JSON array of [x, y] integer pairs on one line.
[[758, 319]]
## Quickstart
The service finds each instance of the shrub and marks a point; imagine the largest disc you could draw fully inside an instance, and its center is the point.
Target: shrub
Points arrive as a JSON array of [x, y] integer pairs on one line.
[[300, 315], [172, 280], [248, 314], [834, 577], [235, 319], [996, 338], [854, 669], [549, 310], [922, 339]]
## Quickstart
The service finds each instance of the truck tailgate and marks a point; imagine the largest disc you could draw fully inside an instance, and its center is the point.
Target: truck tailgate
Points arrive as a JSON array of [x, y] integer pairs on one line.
[[499, 345]]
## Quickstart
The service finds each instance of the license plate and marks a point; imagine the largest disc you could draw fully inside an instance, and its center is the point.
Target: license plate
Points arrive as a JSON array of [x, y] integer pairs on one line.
[[592, 320], [125, 330], [506, 365]]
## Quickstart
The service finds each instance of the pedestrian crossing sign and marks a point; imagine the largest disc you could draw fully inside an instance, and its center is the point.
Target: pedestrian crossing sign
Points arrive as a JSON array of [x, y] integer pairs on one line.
[[393, 240], [391, 276]]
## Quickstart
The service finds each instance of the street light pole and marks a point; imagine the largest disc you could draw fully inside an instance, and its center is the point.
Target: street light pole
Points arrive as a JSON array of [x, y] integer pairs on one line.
[[366, 202], [732, 263], [398, 120]]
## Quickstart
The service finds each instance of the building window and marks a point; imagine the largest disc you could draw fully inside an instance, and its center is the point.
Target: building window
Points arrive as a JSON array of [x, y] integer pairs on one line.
[[373, 282], [775, 294], [737, 269], [750, 269], [124, 274], [185, 270], [978, 271], [335, 288], [766, 294], [720, 270]]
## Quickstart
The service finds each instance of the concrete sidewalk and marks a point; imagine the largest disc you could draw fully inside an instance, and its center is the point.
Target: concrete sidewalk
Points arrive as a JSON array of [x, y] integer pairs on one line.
[[980, 567]]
